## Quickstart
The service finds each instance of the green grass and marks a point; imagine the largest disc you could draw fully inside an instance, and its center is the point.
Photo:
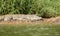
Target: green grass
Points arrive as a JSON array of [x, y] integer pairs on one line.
[[29, 30], [43, 8]]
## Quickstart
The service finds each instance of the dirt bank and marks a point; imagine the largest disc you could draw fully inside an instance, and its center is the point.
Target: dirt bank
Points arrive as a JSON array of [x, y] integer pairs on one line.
[[36, 20]]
